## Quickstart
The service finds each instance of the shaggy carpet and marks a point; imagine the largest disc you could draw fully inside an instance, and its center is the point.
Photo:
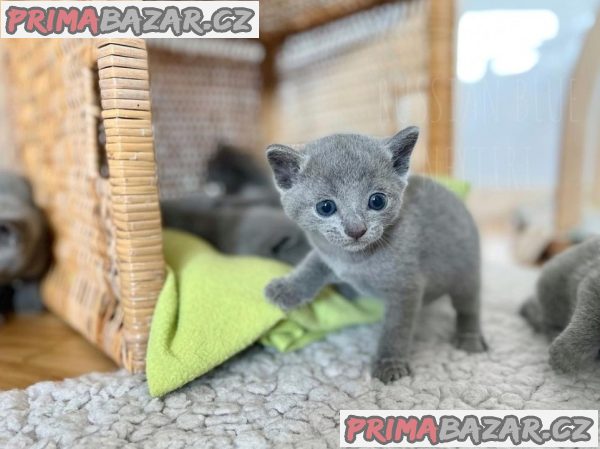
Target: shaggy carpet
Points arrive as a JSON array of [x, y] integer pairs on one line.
[[265, 399]]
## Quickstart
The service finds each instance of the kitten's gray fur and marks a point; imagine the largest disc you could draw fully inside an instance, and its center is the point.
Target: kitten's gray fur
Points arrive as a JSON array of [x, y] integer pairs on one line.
[[245, 218], [422, 245], [567, 306], [24, 245], [237, 227]]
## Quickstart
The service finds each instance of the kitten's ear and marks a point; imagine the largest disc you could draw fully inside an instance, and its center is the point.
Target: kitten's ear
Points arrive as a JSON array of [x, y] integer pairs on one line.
[[285, 163], [401, 146]]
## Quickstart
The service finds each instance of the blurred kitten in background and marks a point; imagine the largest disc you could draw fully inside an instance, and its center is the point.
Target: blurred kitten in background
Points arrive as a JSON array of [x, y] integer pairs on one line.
[[24, 244], [239, 212], [239, 176]]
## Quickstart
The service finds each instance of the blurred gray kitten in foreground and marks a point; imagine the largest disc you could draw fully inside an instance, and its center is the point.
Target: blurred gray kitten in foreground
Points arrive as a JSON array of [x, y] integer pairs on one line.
[[404, 239], [567, 306]]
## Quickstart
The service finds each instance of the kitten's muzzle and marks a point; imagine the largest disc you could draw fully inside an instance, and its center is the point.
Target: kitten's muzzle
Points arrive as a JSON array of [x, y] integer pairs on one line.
[[355, 231]]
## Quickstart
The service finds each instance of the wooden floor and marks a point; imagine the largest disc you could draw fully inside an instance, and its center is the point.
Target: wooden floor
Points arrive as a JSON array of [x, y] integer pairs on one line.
[[36, 347]]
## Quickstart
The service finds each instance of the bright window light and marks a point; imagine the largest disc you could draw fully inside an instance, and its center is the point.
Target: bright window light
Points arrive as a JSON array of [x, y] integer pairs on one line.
[[506, 42]]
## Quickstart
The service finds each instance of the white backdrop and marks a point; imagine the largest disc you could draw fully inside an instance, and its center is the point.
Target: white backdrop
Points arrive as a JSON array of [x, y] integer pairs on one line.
[[508, 123]]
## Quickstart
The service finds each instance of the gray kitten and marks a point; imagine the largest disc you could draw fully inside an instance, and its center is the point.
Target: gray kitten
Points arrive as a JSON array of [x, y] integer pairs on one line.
[[567, 306], [404, 239], [24, 235], [25, 245]]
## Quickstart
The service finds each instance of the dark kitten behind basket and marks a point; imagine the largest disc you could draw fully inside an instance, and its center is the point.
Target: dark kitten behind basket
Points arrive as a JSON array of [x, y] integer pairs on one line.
[[237, 173], [24, 244], [242, 215]]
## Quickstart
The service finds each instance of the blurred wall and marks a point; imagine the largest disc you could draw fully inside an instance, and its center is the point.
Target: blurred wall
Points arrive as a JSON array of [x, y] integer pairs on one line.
[[509, 110], [7, 149]]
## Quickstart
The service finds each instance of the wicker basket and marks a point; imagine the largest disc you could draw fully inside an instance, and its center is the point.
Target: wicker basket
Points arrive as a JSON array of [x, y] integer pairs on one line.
[[95, 139]]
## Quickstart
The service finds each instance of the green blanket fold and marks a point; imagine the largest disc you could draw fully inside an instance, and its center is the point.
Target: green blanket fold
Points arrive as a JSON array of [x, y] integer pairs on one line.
[[212, 307]]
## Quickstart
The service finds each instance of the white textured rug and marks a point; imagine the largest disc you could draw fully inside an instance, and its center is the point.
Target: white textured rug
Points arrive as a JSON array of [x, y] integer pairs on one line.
[[265, 399]]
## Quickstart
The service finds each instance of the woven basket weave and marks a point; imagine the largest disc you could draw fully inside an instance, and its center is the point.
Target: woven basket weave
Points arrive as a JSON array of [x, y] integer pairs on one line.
[[94, 138]]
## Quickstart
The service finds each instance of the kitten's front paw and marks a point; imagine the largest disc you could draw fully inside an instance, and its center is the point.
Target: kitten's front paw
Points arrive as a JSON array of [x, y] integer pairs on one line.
[[471, 342], [390, 369], [283, 294]]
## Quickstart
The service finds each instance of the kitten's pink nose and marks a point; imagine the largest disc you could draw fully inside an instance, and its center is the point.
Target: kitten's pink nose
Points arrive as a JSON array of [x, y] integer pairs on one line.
[[355, 232]]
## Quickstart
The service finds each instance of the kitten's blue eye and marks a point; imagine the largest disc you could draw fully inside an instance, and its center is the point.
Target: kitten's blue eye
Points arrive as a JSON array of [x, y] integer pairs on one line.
[[377, 201], [326, 208]]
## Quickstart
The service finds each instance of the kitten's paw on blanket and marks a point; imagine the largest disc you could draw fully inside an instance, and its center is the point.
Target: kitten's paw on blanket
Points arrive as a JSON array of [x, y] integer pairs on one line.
[[472, 342], [390, 369], [283, 294]]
